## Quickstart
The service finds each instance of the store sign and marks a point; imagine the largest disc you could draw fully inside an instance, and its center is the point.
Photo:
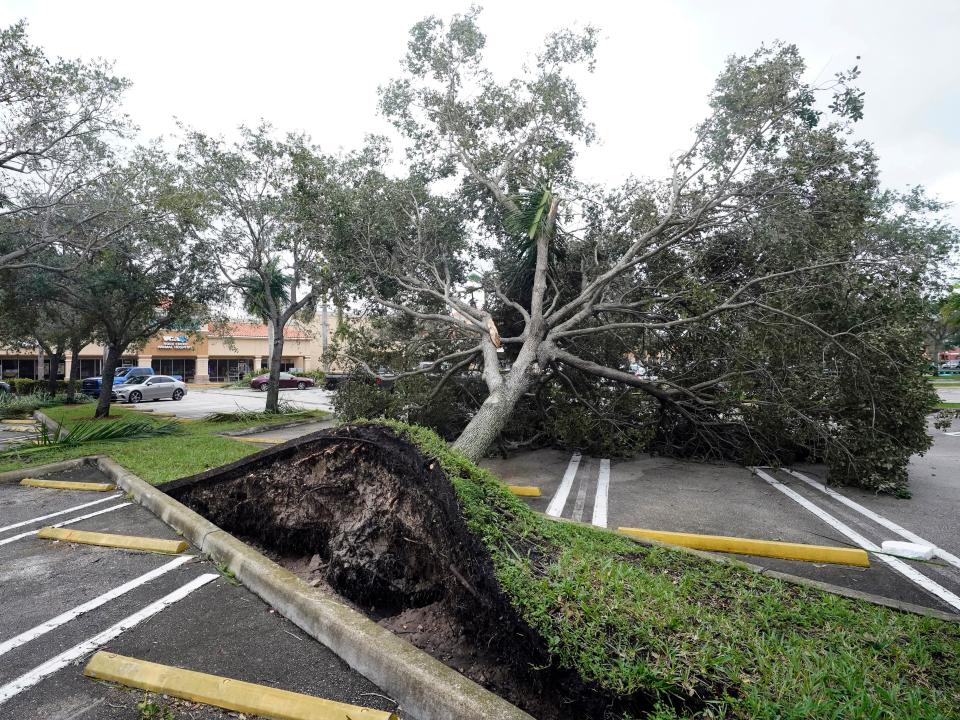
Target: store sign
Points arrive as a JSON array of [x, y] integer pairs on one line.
[[175, 342]]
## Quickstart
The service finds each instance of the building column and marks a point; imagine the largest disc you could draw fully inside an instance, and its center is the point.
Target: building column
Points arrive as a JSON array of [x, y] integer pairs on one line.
[[67, 365], [259, 364], [202, 372], [145, 361]]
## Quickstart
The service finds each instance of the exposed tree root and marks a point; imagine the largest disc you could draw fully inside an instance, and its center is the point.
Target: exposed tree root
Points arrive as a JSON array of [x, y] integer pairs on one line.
[[386, 524]]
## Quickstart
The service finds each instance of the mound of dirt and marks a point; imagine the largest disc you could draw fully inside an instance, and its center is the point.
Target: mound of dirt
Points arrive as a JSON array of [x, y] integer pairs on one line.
[[365, 513]]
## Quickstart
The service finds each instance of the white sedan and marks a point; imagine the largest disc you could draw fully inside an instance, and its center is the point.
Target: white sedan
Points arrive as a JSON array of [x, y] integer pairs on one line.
[[149, 387]]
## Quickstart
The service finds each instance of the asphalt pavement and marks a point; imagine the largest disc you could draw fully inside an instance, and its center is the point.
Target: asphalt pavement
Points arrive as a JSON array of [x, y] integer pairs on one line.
[[659, 493], [220, 627], [199, 402], [15, 433]]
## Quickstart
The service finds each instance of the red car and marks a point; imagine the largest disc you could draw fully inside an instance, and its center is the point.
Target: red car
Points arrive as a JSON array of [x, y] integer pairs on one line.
[[262, 382]]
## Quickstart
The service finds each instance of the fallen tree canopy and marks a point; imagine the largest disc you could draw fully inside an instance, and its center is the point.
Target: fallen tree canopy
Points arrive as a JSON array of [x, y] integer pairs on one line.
[[584, 623]]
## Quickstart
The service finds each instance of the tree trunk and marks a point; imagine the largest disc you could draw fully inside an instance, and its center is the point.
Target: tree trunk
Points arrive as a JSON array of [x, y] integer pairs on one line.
[[110, 364], [491, 418], [276, 354], [74, 374], [55, 358], [324, 338], [271, 336]]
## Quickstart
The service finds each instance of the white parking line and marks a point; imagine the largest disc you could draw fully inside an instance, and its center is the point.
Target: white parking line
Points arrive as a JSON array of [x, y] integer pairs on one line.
[[879, 519], [63, 618], [555, 508], [31, 678], [906, 570], [60, 512], [65, 522], [603, 489]]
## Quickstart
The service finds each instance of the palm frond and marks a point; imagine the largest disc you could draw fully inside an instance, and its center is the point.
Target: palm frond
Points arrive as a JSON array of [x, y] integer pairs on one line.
[[87, 431]]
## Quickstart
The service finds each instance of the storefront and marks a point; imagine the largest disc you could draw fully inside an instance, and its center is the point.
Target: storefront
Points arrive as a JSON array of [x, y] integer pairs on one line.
[[228, 369], [179, 354], [198, 358]]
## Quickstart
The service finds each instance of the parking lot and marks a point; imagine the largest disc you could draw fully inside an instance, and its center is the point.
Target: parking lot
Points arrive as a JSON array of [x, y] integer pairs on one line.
[[13, 432], [59, 598], [203, 401], [720, 499]]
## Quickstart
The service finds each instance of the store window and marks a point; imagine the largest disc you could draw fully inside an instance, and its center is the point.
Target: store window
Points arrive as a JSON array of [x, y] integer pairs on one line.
[[184, 367], [60, 369], [287, 365], [90, 367], [18, 368], [228, 369]]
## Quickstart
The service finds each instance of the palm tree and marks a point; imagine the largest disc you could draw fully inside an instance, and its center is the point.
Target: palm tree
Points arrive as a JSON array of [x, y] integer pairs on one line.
[[254, 291]]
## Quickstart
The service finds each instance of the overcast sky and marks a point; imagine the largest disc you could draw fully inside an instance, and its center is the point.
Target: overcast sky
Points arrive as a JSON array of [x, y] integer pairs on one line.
[[316, 66]]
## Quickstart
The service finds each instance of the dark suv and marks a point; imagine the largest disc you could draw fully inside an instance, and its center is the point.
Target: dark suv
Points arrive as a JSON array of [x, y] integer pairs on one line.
[[91, 386]]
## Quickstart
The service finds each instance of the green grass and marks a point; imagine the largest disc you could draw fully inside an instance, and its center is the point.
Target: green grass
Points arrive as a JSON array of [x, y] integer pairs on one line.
[[196, 448], [947, 405], [704, 640]]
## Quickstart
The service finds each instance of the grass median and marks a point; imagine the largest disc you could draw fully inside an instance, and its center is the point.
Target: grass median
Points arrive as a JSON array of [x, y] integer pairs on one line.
[[697, 639], [197, 447]]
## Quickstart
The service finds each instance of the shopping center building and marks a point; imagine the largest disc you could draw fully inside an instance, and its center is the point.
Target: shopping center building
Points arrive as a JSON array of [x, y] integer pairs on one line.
[[222, 354]]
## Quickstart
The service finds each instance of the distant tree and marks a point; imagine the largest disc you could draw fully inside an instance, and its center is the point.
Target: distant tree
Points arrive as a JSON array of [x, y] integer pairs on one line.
[[58, 121], [155, 276], [267, 251], [943, 326]]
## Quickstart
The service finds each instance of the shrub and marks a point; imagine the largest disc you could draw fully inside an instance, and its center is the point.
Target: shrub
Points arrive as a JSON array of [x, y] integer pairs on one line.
[[29, 386], [243, 382], [318, 376], [12, 406], [359, 398]]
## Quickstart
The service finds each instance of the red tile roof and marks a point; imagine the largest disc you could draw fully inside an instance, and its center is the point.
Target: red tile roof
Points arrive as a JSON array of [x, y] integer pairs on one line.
[[255, 330]]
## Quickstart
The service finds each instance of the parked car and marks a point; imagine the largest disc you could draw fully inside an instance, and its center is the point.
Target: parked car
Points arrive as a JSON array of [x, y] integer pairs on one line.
[[91, 386], [148, 387], [287, 380], [4, 387], [384, 378]]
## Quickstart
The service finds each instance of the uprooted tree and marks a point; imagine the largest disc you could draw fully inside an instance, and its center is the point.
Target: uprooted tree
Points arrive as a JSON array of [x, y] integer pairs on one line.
[[768, 293]]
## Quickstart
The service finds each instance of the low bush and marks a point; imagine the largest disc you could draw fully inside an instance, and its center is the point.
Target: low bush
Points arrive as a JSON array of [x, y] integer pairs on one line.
[[242, 382], [16, 406], [318, 376], [359, 398], [29, 386]]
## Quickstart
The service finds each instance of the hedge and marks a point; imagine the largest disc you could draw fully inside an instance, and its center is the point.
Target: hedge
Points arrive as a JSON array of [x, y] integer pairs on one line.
[[28, 386]]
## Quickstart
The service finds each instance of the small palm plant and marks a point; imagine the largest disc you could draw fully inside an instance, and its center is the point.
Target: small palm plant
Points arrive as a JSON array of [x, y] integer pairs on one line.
[[88, 431]]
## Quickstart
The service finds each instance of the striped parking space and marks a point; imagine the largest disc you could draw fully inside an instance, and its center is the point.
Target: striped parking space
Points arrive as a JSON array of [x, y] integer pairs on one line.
[[80, 650], [906, 570], [591, 478], [63, 601]]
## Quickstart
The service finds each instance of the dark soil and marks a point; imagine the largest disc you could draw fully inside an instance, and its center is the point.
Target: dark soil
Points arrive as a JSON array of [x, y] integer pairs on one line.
[[365, 513]]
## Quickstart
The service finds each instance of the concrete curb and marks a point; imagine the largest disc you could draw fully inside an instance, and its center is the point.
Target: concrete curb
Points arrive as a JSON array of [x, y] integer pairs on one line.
[[278, 426], [51, 424], [425, 688], [11, 477]]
